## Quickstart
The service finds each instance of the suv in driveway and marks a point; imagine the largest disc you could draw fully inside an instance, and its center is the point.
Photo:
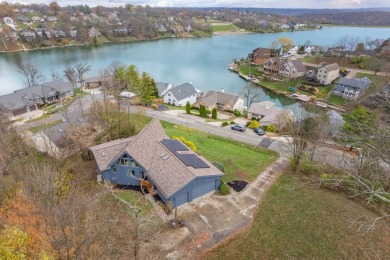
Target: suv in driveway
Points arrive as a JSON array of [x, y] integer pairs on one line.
[[259, 131], [239, 127]]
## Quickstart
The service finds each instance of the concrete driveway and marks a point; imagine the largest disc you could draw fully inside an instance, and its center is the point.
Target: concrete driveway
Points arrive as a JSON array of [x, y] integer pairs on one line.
[[214, 218]]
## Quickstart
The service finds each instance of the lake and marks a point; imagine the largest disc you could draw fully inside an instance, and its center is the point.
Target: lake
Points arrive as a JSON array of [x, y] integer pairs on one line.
[[202, 61]]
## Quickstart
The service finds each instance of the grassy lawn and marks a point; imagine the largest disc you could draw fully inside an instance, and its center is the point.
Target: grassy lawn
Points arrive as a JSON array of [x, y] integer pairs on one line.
[[296, 221], [337, 100], [136, 198], [232, 154], [245, 69], [324, 91], [224, 27], [38, 128], [282, 86]]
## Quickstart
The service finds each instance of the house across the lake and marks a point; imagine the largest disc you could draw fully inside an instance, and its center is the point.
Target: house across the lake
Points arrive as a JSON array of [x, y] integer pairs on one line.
[[29, 99], [166, 167], [221, 100]]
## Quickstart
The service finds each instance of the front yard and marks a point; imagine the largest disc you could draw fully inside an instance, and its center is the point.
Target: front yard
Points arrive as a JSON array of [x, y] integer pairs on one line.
[[233, 155]]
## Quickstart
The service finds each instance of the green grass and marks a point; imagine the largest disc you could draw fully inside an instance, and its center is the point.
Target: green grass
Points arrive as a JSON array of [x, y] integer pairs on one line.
[[39, 128], [324, 91], [39, 118], [337, 100], [233, 155], [298, 221], [224, 27], [282, 86], [245, 69]]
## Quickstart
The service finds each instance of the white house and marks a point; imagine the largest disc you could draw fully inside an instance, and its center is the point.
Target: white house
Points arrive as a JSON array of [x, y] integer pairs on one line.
[[163, 88], [327, 73], [293, 51], [8, 21], [180, 95]]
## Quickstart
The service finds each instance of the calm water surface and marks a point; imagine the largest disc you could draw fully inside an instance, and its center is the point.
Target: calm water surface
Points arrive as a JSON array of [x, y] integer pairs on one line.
[[202, 61]]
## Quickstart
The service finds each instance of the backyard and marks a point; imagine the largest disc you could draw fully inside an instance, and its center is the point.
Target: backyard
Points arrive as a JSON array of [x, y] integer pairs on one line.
[[298, 221]]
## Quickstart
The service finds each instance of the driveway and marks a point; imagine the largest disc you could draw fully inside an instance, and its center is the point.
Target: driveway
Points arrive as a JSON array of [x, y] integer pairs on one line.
[[214, 218]]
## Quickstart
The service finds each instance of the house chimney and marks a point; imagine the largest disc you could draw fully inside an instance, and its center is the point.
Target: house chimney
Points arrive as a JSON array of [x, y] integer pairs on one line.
[[223, 90]]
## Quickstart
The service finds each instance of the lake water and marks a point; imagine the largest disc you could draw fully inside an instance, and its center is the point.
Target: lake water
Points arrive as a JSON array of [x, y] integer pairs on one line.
[[202, 61]]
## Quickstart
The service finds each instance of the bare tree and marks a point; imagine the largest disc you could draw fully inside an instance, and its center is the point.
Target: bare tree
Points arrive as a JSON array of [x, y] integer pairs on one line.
[[71, 76], [54, 75], [80, 70], [32, 75], [251, 93]]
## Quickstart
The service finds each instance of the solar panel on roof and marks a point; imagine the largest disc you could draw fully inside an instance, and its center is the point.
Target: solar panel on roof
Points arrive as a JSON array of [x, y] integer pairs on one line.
[[174, 145], [188, 159]]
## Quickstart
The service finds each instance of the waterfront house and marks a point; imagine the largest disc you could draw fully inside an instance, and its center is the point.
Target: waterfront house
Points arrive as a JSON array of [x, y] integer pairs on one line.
[[221, 100], [27, 35], [29, 99], [351, 88], [23, 19], [166, 167], [188, 28], [269, 114], [163, 88], [260, 56], [327, 73], [93, 32], [180, 95], [273, 65], [292, 69]]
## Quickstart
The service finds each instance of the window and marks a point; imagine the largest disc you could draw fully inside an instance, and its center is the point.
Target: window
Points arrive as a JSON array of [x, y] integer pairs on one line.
[[169, 94], [130, 173], [114, 170], [169, 100], [133, 164], [124, 162]]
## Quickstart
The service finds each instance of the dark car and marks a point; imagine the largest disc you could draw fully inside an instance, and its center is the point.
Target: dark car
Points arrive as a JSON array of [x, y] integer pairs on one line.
[[239, 127], [259, 131]]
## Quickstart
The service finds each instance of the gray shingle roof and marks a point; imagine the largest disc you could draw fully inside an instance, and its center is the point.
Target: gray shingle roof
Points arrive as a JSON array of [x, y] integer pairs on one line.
[[330, 67], [214, 97], [268, 110], [22, 97], [161, 87], [183, 91], [167, 172], [355, 83], [298, 65]]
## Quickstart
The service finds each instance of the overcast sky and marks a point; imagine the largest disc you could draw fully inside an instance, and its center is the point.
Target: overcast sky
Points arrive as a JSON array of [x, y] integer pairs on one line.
[[231, 3]]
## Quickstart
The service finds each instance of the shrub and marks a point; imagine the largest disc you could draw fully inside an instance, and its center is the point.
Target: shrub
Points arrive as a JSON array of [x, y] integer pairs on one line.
[[214, 113], [219, 166], [188, 108], [154, 106], [245, 113], [232, 122], [224, 189], [225, 123], [189, 144], [253, 118], [202, 111], [237, 113], [271, 128], [254, 124], [248, 123]]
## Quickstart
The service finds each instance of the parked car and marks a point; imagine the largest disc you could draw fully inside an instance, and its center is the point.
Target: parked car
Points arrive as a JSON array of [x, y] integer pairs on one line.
[[239, 127], [259, 131]]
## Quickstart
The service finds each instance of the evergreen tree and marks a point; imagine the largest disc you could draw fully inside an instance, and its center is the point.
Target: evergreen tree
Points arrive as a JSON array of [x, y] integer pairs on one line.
[[214, 113], [202, 111], [188, 108], [148, 88]]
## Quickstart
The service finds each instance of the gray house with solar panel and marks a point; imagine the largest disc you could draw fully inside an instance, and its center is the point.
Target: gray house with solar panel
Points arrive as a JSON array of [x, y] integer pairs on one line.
[[164, 166]]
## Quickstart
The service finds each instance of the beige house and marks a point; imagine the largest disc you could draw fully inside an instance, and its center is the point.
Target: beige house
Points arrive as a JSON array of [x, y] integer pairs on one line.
[[269, 114], [221, 100], [327, 73], [292, 69]]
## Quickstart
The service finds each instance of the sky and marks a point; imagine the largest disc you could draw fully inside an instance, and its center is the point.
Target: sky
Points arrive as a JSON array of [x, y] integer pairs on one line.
[[315, 4]]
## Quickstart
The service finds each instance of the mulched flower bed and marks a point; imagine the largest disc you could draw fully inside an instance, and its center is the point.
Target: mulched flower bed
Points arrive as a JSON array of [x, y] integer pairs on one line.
[[237, 185]]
